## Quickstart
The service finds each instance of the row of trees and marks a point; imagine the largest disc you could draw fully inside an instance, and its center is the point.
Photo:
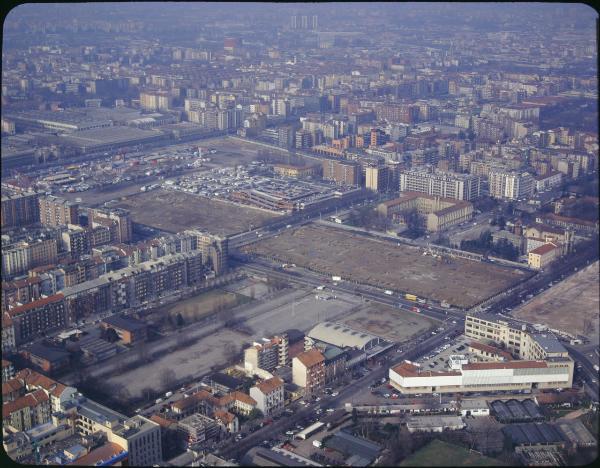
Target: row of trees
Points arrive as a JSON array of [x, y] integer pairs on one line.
[[485, 245]]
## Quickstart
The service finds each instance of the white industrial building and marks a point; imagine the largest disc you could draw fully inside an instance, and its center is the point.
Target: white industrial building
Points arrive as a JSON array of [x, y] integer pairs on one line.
[[342, 336], [481, 377]]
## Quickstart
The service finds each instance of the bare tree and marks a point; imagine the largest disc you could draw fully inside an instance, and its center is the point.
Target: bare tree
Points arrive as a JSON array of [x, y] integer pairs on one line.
[[167, 378]]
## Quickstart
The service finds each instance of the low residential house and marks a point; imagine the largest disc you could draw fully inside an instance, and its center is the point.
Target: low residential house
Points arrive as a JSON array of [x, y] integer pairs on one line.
[[229, 422], [59, 393], [269, 396], [237, 402], [199, 402], [224, 383]]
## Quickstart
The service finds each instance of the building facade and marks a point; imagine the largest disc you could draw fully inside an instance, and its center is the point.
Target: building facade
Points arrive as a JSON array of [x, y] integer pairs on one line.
[[441, 184]]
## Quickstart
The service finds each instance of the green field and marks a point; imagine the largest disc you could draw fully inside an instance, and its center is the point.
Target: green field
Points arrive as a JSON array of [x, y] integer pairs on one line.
[[438, 453]]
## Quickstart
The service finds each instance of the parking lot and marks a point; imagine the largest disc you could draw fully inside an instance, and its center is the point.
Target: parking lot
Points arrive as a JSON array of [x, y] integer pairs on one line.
[[437, 360]]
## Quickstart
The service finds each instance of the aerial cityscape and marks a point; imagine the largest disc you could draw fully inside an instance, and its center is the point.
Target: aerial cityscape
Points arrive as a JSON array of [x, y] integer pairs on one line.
[[304, 234]]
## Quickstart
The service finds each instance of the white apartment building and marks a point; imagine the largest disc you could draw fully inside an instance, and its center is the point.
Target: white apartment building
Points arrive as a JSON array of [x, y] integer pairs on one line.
[[441, 184], [510, 185], [269, 396]]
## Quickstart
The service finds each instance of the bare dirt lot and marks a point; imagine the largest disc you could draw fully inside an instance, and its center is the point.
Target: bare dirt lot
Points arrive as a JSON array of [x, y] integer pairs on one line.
[[389, 323], [177, 211], [199, 307], [398, 267], [568, 305]]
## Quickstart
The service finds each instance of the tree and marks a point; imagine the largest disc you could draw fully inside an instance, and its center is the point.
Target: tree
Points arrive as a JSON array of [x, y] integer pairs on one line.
[[354, 416], [167, 378], [179, 320], [148, 393]]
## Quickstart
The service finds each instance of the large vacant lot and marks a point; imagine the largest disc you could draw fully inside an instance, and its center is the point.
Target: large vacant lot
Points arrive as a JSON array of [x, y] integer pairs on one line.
[[382, 263], [568, 305], [177, 211], [389, 323]]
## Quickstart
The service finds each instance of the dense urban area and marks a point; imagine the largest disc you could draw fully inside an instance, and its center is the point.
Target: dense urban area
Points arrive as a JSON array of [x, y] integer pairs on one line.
[[321, 234]]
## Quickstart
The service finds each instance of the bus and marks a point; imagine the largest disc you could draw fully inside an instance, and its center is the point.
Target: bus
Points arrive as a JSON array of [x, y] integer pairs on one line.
[[309, 431]]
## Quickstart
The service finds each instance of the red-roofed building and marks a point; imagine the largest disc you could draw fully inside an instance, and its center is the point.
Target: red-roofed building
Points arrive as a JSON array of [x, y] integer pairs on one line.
[[541, 256], [44, 315], [27, 411], [110, 454], [482, 376], [269, 396]]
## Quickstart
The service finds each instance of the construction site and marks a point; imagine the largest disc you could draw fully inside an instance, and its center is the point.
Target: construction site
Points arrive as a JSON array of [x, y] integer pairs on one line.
[[385, 264]]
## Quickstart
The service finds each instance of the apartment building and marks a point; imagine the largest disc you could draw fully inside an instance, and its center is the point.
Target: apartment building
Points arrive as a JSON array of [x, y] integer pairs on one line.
[[116, 219], [37, 317], [510, 185], [9, 342], [214, 249], [8, 370], [269, 396], [308, 371], [342, 172], [139, 436], [377, 178], [27, 411], [19, 209], [157, 100], [441, 184], [21, 257], [439, 213], [267, 355], [56, 211], [288, 170]]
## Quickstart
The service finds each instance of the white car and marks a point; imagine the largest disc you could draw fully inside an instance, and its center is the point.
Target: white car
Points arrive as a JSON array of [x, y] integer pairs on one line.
[[335, 393]]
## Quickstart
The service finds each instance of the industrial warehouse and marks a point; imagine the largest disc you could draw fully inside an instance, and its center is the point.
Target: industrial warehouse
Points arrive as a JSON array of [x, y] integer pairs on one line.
[[545, 363]]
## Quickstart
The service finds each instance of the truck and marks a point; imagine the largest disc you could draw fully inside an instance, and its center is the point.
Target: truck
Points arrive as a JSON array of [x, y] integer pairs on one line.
[[388, 292], [168, 394], [336, 278], [445, 305], [596, 368], [410, 297]]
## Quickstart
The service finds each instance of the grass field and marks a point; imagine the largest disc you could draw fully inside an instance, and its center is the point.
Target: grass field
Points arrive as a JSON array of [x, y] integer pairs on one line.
[[438, 453], [196, 308], [177, 211], [388, 265]]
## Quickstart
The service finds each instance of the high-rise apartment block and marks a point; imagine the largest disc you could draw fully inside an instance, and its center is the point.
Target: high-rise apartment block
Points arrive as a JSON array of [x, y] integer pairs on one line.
[[19, 209], [35, 318], [510, 185], [342, 172], [116, 219], [377, 178], [155, 100], [267, 355], [20, 257], [441, 184], [56, 211]]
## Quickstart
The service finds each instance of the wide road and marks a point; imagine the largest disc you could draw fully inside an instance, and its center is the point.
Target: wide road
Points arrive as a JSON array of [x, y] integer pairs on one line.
[[589, 373], [306, 278]]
